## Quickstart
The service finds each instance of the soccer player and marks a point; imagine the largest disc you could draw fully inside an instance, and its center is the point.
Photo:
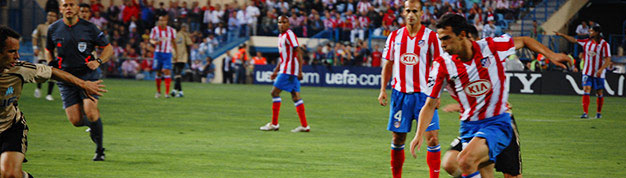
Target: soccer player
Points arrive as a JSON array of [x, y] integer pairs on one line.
[[505, 161], [597, 58], [290, 69], [183, 41], [163, 37], [75, 40], [408, 53], [39, 44], [13, 75], [475, 72]]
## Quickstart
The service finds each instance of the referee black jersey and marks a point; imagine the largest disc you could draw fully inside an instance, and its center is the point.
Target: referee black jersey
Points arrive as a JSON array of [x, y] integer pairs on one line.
[[74, 44]]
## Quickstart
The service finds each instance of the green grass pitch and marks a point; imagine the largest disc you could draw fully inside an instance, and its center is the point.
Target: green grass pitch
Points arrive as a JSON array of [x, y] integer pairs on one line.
[[213, 132]]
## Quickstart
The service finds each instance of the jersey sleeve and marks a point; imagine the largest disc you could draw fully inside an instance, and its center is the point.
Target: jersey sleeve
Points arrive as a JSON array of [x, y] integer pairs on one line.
[[99, 38], [434, 46], [293, 40], [153, 34], [49, 43], [33, 73], [606, 50], [36, 32], [387, 52], [436, 78], [582, 42], [173, 31], [504, 46]]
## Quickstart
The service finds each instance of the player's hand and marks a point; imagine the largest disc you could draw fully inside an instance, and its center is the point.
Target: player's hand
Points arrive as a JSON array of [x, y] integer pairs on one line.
[[273, 76], [559, 59], [599, 73], [416, 143], [558, 34], [382, 98], [93, 65], [300, 76], [452, 108], [575, 69], [36, 52], [94, 88]]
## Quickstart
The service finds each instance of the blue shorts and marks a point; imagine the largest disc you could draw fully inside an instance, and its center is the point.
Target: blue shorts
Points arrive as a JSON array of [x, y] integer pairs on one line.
[[595, 82], [162, 61], [287, 82], [496, 130], [405, 108], [72, 94]]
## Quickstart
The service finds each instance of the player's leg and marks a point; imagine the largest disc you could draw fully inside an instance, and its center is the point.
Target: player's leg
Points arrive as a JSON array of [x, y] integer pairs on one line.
[[70, 95], [599, 86], [585, 101], [38, 89], [433, 156], [95, 124], [178, 70], [397, 153], [167, 67], [11, 164], [276, 100], [157, 65], [509, 162], [449, 162], [475, 153], [297, 101], [50, 88]]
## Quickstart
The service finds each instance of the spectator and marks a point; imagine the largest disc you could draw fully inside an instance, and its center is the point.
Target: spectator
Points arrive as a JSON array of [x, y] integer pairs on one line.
[[252, 16], [376, 57], [363, 6], [227, 69], [130, 68], [582, 30], [259, 59], [536, 31], [208, 71], [195, 17], [220, 33], [98, 20], [489, 30]]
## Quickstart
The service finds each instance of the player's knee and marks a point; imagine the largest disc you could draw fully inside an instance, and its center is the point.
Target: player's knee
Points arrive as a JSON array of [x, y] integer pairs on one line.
[[449, 165], [11, 172], [466, 161], [432, 141], [398, 138], [92, 116], [76, 121]]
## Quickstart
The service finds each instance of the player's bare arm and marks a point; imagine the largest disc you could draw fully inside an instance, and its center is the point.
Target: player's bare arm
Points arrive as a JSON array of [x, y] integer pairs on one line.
[[534, 45], [384, 80], [107, 52], [35, 44], [174, 46], [300, 61], [91, 87], [426, 116], [566, 37]]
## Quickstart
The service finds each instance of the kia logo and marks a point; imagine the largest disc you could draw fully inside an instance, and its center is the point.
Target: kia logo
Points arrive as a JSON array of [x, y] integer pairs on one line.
[[409, 59], [477, 88]]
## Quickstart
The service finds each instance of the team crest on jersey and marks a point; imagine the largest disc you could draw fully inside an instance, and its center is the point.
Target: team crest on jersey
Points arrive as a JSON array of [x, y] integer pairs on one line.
[[409, 59], [592, 53], [477, 88], [9, 91], [82, 46], [485, 62]]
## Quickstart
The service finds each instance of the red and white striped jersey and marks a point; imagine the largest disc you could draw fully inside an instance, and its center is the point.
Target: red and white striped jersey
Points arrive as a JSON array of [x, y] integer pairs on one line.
[[594, 55], [479, 85], [165, 36], [288, 62], [412, 57]]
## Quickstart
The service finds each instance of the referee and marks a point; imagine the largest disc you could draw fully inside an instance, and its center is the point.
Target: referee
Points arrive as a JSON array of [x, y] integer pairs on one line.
[[75, 39]]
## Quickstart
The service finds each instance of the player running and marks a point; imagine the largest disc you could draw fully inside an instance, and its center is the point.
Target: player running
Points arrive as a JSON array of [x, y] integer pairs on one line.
[[409, 52], [290, 69], [475, 72], [597, 58], [39, 46], [163, 37], [13, 75]]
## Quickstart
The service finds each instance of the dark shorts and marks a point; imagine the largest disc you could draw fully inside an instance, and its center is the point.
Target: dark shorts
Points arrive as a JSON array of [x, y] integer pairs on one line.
[[510, 160], [72, 94], [178, 68], [14, 138]]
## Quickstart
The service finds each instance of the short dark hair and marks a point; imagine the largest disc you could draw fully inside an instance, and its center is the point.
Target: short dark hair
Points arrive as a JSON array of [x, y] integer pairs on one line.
[[5, 33], [471, 29], [597, 28], [420, 1], [455, 21], [84, 5]]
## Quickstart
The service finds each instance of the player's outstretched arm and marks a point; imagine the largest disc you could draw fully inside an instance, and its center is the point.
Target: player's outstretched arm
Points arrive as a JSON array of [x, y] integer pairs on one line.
[[384, 80], [107, 52], [91, 88], [567, 37], [426, 116], [534, 45]]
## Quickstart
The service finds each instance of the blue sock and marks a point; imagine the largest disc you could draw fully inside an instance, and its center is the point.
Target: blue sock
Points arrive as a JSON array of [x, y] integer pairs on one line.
[[434, 148], [473, 175]]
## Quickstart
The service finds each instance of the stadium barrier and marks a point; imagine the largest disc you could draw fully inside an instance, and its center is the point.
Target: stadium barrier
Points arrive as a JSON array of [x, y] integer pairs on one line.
[[550, 82]]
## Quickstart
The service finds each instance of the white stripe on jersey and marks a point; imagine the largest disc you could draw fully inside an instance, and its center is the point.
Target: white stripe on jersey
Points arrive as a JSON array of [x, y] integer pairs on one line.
[[289, 63], [594, 54], [165, 36], [411, 57], [478, 85]]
